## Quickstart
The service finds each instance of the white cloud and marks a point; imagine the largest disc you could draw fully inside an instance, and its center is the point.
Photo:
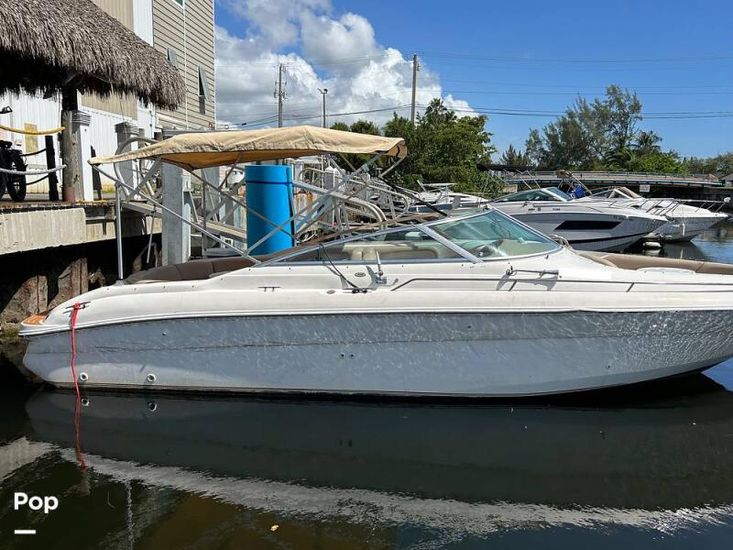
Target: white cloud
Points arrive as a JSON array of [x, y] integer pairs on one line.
[[327, 40], [341, 54]]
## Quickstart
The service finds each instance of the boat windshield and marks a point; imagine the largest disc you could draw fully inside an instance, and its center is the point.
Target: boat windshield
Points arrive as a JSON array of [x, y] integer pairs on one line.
[[410, 244], [493, 235], [490, 234], [559, 193], [617, 193], [534, 195]]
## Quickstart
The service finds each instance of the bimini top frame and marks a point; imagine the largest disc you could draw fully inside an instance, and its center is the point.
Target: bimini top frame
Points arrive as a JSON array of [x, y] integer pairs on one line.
[[195, 151], [208, 149]]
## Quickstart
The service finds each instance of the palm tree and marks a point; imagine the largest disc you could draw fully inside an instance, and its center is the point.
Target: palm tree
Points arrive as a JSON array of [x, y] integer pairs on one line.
[[647, 143]]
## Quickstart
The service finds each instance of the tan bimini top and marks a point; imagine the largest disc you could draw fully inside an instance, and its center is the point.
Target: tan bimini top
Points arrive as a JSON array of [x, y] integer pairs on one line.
[[207, 149]]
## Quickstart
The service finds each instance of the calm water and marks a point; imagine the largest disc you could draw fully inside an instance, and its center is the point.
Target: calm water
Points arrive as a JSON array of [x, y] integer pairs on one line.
[[649, 467]]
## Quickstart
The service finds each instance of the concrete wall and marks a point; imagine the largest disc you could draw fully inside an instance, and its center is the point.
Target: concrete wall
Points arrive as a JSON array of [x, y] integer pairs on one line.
[[29, 228], [39, 281]]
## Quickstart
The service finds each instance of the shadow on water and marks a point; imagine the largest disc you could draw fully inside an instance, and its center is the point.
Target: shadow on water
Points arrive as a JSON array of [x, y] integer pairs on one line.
[[714, 245], [655, 455]]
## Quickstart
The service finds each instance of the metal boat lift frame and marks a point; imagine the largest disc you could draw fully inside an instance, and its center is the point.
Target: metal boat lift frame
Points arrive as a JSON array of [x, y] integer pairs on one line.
[[342, 194]]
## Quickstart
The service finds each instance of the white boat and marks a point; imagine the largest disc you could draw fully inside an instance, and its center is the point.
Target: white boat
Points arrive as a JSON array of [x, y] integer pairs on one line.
[[586, 226], [439, 196], [476, 305], [685, 221]]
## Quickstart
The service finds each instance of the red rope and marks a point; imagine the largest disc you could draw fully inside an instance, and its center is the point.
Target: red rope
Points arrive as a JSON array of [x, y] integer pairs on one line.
[[72, 322], [77, 405]]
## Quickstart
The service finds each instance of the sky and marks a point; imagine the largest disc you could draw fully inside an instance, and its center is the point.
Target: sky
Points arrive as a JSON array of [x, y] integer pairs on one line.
[[521, 62]]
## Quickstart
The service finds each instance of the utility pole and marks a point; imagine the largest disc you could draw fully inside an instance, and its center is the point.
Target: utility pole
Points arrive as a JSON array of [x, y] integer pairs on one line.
[[415, 68], [280, 95], [324, 91]]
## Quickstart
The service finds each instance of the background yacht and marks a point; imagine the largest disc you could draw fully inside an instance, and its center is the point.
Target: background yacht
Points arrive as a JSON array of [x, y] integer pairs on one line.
[[586, 226], [685, 221]]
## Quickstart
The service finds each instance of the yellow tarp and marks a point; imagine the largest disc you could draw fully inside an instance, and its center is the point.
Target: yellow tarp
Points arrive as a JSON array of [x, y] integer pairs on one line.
[[206, 149]]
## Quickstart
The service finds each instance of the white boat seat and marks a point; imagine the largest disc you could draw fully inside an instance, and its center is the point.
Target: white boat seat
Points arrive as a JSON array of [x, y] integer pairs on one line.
[[405, 250]]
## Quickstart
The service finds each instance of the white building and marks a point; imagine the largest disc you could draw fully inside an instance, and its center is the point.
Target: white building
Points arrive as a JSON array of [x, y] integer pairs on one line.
[[183, 30]]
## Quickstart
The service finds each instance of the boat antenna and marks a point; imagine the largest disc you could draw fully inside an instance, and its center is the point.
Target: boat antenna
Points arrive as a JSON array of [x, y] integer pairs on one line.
[[354, 288]]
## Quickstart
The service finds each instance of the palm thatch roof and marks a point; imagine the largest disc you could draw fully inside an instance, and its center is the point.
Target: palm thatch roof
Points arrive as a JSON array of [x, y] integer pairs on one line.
[[49, 44]]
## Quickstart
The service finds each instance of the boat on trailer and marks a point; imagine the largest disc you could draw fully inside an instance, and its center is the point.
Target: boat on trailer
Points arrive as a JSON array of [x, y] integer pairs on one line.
[[476, 304]]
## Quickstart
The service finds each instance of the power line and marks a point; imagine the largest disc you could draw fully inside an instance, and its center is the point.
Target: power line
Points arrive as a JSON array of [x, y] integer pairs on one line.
[[599, 60], [575, 93], [493, 83], [646, 116]]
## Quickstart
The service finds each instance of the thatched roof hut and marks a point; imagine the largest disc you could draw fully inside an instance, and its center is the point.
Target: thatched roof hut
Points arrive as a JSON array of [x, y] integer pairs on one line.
[[50, 45]]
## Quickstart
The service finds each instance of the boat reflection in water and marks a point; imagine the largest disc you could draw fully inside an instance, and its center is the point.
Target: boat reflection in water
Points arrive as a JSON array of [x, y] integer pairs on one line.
[[471, 469]]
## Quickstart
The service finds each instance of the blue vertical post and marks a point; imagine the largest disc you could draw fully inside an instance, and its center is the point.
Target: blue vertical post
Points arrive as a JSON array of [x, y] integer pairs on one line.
[[269, 193]]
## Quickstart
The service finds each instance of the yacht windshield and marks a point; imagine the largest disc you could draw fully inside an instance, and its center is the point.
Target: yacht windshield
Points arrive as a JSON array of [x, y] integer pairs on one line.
[[534, 195], [494, 235], [559, 193]]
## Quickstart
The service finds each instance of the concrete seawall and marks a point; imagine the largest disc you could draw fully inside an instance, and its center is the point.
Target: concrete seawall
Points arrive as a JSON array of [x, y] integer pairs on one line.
[[51, 252]]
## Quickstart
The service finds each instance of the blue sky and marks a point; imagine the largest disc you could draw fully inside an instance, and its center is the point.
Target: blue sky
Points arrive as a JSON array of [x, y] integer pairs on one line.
[[522, 55]]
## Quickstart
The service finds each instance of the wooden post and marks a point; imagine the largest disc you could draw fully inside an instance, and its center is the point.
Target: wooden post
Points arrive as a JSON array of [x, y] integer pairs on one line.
[[69, 146], [53, 180]]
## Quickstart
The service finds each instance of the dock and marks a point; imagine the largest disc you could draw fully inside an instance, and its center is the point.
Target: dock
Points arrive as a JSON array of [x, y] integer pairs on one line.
[[53, 251]]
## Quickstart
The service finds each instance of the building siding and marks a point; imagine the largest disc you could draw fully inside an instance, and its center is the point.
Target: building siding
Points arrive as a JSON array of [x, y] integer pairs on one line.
[[189, 31], [125, 105]]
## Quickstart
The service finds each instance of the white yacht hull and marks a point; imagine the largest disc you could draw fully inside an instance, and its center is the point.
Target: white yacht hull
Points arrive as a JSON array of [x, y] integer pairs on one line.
[[583, 227], [686, 229], [453, 354]]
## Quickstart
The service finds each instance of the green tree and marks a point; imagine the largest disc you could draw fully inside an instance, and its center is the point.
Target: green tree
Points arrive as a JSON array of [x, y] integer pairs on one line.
[[447, 148], [589, 135], [406, 173], [720, 165], [340, 126], [365, 127], [515, 157], [657, 161], [647, 143], [442, 147]]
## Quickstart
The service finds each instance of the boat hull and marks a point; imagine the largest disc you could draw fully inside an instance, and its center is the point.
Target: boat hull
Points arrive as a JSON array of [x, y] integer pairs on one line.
[[585, 235], [685, 229], [452, 354]]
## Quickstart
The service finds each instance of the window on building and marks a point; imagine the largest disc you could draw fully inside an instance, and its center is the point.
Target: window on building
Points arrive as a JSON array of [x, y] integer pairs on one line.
[[180, 2], [172, 57], [204, 91]]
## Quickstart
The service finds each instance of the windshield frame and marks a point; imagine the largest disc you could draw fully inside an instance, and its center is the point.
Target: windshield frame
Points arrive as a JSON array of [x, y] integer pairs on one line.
[[463, 254], [509, 218], [425, 228], [546, 191]]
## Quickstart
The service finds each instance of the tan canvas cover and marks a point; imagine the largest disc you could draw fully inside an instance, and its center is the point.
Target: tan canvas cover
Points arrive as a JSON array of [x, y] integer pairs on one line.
[[206, 149]]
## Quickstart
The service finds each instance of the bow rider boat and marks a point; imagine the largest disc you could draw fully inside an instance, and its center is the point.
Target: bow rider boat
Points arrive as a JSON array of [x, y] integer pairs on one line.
[[684, 221], [471, 305], [586, 226]]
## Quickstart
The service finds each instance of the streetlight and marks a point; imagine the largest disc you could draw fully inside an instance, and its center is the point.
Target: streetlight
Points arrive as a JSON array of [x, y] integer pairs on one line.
[[324, 91]]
